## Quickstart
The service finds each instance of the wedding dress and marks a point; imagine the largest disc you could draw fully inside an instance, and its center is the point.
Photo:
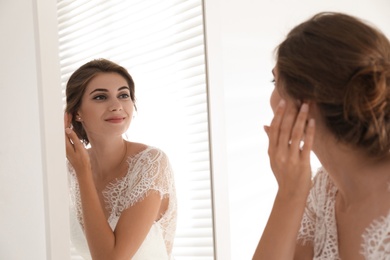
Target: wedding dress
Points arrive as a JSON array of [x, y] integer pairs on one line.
[[148, 170], [318, 226]]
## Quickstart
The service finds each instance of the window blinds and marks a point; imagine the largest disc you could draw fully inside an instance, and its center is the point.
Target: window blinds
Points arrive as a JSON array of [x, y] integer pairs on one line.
[[161, 43]]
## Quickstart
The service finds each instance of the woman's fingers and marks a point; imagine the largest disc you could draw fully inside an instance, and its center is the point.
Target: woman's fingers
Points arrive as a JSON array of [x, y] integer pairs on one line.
[[273, 130], [298, 130], [74, 139], [309, 138], [287, 130], [266, 129], [67, 120], [70, 148], [289, 120], [290, 162], [76, 152]]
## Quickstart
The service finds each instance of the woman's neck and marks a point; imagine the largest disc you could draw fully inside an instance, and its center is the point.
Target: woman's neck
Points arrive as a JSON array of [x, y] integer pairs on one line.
[[356, 175], [107, 157]]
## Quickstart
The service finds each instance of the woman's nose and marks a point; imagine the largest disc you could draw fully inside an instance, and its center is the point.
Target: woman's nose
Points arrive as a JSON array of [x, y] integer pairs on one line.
[[115, 106]]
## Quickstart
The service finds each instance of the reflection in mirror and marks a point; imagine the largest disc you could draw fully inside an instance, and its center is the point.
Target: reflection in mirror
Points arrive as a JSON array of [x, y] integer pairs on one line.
[[161, 44]]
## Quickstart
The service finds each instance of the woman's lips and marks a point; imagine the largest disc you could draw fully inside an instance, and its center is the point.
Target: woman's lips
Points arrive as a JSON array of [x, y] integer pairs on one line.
[[115, 120]]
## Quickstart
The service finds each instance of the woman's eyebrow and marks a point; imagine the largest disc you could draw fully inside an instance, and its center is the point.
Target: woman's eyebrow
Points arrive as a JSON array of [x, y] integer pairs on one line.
[[105, 90], [99, 89], [124, 87]]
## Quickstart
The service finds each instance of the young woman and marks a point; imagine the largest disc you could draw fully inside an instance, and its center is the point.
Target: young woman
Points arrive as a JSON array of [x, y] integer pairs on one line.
[[332, 91], [123, 203]]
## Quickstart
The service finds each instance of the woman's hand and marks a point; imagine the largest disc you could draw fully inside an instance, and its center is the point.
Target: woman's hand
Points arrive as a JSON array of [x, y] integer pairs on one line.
[[290, 160], [290, 163], [75, 149], [134, 223]]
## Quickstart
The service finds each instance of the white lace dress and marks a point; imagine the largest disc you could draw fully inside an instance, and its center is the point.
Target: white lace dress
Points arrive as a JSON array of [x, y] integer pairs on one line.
[[319, 228], [148, 170]]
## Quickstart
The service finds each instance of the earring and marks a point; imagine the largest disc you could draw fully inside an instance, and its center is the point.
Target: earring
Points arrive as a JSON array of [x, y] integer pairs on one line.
[[78, 118]]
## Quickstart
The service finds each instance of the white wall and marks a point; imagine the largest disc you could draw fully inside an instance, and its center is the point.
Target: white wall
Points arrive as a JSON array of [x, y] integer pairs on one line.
[[249, 32], [33, 225]]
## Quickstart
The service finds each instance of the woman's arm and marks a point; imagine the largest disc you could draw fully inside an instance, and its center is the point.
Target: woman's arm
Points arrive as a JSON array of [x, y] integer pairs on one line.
[[131, 230], [134, 223], [279, 238], [290, 164], [304, 252]]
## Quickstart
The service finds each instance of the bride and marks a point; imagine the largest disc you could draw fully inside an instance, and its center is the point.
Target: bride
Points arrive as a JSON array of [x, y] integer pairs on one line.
[[123, 202]]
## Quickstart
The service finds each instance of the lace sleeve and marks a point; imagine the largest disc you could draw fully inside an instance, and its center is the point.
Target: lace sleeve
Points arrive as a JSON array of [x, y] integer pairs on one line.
[[306, 233], [149, 171], [318, 218], [74, 193]]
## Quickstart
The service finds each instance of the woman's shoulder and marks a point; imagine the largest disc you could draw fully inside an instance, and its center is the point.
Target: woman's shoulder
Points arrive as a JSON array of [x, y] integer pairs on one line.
[[150, 165], [135, 148], [140, 150], [323, 186], [321, 177]]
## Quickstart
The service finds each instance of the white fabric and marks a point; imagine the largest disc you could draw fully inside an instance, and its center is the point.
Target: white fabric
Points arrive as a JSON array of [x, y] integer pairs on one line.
[[148, 171], [319, 228]]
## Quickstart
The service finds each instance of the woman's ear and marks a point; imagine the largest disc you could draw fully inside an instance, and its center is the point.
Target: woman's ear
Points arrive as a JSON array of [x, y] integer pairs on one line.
[[78, 118]]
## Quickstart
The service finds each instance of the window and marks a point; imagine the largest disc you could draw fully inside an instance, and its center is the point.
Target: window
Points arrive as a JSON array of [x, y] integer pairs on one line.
[[161, 44]]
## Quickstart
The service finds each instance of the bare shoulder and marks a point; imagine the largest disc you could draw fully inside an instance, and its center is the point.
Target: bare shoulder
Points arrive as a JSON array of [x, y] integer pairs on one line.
[[135, 148], [138, 148]]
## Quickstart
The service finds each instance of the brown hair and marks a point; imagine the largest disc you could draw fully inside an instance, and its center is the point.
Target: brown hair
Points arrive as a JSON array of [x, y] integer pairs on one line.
[[342, 64], [77, 85]]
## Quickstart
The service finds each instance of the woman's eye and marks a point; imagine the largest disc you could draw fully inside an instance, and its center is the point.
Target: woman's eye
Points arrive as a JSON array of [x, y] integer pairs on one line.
[[123, 96], [99, 97], [273, 81]]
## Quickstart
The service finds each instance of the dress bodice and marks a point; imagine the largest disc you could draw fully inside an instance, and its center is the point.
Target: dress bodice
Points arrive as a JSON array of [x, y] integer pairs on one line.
[[318, 226], [148, 171]]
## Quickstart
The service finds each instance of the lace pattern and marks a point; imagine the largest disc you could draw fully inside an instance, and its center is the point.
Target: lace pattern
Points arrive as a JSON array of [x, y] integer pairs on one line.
[[318, 225], [149, 171], [377, 240]]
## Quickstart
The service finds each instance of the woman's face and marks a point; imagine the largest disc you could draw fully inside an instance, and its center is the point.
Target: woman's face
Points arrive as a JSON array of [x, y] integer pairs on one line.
[[106, 108], [275, 96]]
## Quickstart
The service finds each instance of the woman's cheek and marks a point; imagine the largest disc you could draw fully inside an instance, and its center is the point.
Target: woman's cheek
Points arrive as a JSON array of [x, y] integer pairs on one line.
[[274, 99]]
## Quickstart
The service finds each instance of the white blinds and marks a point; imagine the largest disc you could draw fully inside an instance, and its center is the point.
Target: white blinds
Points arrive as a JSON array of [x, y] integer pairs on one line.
[[161, 43]]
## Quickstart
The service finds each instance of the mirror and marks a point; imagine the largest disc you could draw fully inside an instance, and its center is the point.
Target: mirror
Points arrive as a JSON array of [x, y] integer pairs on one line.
[[161, 44]]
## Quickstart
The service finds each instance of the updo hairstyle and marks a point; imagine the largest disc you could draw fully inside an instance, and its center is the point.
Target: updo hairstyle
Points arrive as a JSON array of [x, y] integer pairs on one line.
[[342, 64]]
